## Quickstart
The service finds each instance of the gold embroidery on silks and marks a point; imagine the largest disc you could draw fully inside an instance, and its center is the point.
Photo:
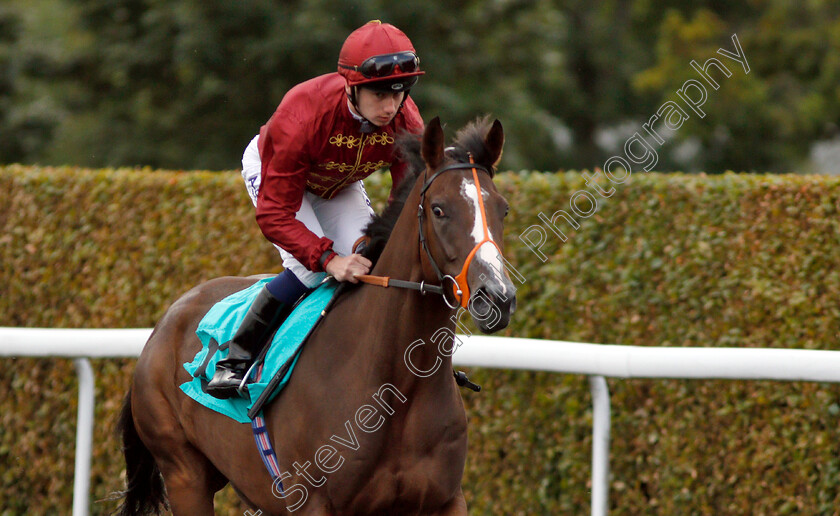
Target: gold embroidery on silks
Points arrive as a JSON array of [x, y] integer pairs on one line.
[[341, 167], [352, 142], [323, 177], [316, 186], [350, 172], [341, 140], [380, 138], [369, 168], [365, 168]]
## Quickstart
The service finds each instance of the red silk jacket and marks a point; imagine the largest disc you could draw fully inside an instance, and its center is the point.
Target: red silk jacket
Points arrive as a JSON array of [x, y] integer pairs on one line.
[[313, 143]]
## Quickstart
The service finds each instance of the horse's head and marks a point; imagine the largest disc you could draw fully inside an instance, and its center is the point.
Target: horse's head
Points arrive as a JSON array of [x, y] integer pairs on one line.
[[461, 221]]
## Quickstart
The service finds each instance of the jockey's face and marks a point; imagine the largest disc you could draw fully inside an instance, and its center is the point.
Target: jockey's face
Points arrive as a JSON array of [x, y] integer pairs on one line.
[[377, 106]]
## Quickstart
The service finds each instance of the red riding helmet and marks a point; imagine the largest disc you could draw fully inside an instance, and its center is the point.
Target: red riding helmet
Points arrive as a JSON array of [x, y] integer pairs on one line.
[[378, 52]]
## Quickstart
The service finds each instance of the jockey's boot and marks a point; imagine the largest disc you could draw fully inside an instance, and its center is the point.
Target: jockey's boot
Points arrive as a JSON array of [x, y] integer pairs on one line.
[[263, 318]]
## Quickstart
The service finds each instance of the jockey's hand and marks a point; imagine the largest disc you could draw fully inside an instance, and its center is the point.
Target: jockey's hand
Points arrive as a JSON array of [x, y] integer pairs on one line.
[[346, 268]]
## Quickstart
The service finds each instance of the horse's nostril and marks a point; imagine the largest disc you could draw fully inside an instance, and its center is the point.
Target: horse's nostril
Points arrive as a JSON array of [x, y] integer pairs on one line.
[[479, 303]]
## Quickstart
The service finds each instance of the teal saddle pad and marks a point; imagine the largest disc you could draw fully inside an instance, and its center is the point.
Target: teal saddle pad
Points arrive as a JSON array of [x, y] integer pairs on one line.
[[221, 323]]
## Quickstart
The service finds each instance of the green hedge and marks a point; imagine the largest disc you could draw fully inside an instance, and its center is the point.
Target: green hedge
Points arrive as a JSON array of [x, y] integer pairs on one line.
[[732, 260]]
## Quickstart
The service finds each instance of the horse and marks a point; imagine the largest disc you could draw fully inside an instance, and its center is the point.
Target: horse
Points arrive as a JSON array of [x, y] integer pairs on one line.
[[371, 421]]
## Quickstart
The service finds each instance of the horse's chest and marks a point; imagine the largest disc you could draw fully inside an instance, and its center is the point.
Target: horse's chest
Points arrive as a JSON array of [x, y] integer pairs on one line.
[[396, 451], [424, 485], [417, 466]]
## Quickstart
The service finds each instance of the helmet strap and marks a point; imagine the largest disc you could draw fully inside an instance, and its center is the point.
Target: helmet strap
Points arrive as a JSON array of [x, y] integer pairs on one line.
[[367, 125], [405, 97]]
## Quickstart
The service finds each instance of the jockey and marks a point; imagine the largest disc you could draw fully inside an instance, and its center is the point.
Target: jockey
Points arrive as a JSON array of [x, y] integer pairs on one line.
[[304, 174]]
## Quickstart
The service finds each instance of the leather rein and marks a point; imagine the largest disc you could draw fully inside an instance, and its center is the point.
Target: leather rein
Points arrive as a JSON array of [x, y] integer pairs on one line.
[[460, 288]]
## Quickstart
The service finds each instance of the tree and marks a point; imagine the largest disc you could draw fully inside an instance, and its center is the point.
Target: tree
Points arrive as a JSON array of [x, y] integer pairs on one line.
[[187, 83], [24, 123], [764, 120]]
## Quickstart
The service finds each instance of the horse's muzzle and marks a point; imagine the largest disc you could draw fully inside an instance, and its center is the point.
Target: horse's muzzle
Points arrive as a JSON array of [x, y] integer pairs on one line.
[[491, 308]]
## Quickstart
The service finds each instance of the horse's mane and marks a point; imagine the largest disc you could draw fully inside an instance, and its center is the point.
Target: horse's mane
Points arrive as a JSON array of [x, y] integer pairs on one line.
[[469, 140], [380, 227]]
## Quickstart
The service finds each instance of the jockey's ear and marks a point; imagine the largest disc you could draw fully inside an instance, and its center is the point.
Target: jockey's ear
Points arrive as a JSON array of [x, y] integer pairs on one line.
[[494, 141], [432, 150]]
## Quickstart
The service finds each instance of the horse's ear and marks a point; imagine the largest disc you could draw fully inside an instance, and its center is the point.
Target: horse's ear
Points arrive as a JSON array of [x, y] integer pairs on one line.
[[494, 141], [433, 144]]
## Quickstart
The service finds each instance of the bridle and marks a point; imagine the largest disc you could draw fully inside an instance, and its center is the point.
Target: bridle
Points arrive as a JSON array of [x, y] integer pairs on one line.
[[460, 287]]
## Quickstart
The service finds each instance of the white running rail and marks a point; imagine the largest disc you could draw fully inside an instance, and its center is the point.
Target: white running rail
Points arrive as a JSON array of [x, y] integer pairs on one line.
[[595, 360]]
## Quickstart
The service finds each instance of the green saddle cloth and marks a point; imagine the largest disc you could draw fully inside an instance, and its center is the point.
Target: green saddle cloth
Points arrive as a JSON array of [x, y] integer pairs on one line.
[[221, 323]]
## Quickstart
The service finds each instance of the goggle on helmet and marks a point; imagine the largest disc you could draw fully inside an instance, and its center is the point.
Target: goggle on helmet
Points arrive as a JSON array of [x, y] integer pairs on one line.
[[379, 56]]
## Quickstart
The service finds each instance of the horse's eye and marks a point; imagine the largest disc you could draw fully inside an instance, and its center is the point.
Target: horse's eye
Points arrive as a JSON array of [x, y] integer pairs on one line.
[[507, 210], [438, 211]]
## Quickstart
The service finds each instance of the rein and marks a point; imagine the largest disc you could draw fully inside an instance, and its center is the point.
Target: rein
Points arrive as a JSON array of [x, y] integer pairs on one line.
[[460, 287], [386, 281]]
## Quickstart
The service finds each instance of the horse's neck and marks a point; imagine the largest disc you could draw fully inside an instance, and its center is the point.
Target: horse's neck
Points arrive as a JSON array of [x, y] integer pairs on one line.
[[402, 316]]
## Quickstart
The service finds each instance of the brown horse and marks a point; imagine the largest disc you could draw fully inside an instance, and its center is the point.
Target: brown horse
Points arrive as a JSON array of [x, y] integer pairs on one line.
[[372, 421]]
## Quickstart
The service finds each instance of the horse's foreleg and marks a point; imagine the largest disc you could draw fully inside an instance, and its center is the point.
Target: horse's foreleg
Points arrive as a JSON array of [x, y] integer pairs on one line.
[[456, 507]]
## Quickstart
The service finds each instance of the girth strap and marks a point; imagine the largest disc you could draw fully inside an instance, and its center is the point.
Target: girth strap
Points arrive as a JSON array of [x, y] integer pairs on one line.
[[259, 427]]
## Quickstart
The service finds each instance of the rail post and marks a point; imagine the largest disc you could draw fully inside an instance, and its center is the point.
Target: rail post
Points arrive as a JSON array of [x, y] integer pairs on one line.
[[84, 437], [600, 445]]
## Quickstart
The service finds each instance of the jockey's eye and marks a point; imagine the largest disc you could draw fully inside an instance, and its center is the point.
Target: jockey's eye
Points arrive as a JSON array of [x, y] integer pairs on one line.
[[383, 95], [438, 211]]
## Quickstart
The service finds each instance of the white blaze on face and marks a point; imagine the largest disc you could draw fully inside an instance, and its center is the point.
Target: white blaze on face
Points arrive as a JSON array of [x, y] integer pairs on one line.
[[487, 253]]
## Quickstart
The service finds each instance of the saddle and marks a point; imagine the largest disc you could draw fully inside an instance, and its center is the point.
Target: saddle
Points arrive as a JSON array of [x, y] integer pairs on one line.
[[276, 362]]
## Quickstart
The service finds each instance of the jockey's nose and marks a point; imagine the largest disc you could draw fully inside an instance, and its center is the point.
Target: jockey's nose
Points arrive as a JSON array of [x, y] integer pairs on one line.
[[392, 103]]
